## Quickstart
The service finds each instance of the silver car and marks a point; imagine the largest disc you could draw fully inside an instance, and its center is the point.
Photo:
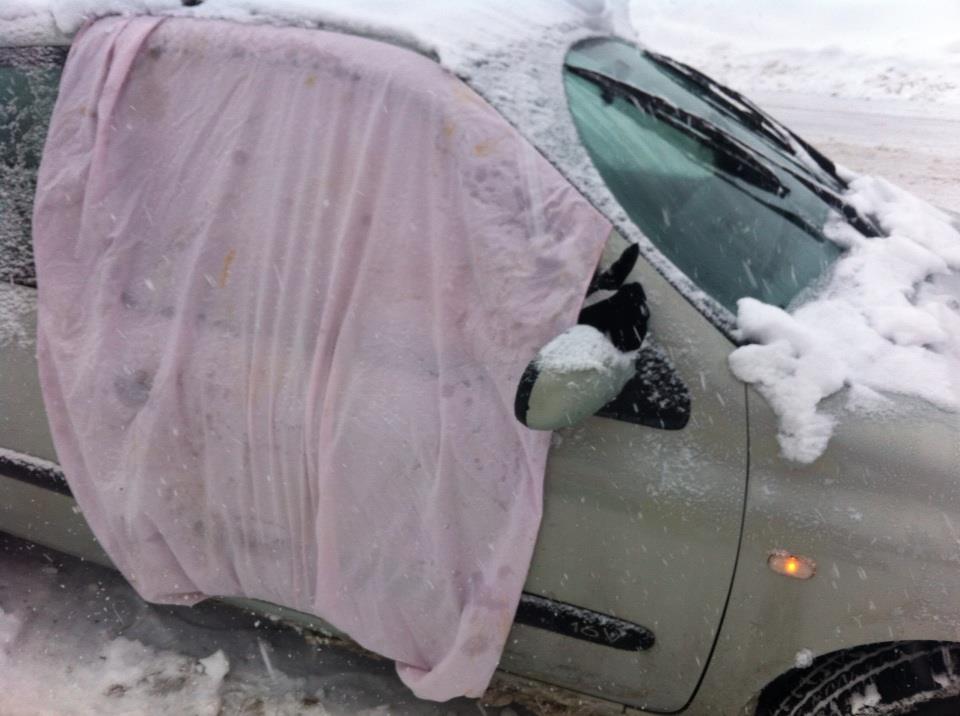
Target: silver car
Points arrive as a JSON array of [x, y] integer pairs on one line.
[[682, 563]]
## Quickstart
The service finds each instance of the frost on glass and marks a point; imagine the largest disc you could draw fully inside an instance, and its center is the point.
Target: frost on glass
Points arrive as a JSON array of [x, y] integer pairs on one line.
[[28, 89]]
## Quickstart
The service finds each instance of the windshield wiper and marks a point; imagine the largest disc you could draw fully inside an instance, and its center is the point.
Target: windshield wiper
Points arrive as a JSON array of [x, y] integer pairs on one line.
[[743, 110], [734, 158]]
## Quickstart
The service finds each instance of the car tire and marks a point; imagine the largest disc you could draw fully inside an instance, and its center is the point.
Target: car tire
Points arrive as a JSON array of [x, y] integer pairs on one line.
[[906, 679]]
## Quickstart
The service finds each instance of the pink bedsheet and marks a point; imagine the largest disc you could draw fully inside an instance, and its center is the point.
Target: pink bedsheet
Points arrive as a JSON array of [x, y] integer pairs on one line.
[[289, 280]]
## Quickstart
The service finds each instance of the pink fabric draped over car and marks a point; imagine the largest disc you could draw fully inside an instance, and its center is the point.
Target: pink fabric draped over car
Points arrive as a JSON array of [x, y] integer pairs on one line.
[[288, 282]]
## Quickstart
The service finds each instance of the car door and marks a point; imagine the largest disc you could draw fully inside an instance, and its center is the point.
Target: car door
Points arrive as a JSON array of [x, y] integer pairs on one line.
[[642, 524]]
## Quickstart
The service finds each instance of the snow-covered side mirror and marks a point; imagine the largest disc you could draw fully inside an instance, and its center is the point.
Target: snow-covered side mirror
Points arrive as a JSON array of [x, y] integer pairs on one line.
[[585, 368], [571, 378]]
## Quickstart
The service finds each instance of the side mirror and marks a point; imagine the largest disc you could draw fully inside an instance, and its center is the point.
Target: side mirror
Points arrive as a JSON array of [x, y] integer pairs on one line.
[[571, 378]]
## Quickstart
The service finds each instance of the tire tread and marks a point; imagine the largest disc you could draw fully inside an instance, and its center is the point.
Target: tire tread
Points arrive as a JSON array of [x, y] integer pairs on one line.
[[901, 672]]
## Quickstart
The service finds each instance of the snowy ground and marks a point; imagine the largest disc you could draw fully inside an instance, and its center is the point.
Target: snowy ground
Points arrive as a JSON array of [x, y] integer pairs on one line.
[[75, 640]]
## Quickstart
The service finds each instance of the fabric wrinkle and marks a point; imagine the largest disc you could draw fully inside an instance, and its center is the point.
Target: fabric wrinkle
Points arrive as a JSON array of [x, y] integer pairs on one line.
[[280, 351]]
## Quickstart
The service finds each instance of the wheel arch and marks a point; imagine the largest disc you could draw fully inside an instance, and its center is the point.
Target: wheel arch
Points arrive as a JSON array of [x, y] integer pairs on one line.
[[896, 669]]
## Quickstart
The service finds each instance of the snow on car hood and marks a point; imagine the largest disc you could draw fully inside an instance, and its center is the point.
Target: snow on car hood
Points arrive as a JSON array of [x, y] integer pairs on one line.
[[886, 319]]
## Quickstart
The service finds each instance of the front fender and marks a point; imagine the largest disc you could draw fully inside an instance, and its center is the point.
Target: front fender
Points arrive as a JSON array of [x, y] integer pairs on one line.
[[879, 513]]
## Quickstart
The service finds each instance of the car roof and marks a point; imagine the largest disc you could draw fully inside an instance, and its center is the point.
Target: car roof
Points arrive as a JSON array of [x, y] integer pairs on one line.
[[457, 33]]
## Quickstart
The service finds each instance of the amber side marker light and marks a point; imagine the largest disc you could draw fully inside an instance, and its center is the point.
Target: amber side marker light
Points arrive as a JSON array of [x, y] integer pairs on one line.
[[792, 565]]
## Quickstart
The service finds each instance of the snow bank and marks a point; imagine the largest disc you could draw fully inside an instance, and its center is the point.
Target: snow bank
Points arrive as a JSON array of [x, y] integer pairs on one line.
[[879, 50], [885, 319]]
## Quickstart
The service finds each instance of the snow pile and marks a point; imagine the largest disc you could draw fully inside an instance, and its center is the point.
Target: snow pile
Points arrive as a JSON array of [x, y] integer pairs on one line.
[[882, 50], [583, 348], [836, 73], [885, 319], [123, 677]]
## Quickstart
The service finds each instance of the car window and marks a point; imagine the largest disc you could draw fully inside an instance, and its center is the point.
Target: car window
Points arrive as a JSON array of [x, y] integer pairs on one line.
[[733, 199], [28, 88]]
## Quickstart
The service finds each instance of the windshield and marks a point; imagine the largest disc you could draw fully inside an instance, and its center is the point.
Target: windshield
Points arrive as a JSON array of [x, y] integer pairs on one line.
[[734, 199]]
